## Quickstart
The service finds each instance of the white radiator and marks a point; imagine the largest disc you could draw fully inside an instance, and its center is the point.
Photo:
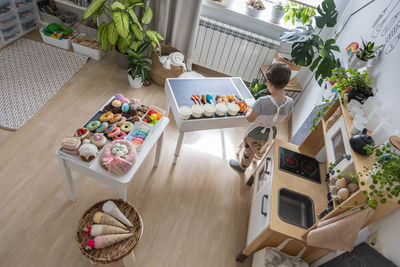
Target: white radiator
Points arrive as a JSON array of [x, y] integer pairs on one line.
[[232, 51]]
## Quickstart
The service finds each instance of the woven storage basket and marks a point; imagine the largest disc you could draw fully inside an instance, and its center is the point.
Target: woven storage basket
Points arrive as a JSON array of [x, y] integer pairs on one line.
[[158, 74], [119, 250]]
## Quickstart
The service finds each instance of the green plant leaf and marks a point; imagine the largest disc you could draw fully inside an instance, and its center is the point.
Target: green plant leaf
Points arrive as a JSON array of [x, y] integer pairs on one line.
[[143, 46], [303, 52], [152, 37], [315, 63], [328, 14], [137, 32], [124, 43], [135, 19], [100, 30], [147, 16], [134, 45], [115, 6], [121, 22], [112, 33], [298, 34], [92, 8], [104, 40]]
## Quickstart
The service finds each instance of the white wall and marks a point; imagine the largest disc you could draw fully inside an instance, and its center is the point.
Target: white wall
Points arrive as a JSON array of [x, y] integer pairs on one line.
[[387, 73]]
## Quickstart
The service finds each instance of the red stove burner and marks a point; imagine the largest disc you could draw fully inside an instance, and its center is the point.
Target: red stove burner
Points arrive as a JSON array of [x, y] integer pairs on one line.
[[291, 161], [308, 167]]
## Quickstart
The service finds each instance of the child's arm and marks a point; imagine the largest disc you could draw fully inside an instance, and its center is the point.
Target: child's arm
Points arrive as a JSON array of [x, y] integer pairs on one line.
[[288, 117], [251, 115]]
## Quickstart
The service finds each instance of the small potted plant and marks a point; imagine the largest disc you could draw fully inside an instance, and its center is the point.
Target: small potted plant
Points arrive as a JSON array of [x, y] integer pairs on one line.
[[298, 13], [139, 65], [277, 12], [362, 56], [254, 7]]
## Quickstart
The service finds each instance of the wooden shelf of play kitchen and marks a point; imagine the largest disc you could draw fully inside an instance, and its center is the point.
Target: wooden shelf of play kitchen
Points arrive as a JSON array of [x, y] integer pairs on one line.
[[359, 161], [293, 89]]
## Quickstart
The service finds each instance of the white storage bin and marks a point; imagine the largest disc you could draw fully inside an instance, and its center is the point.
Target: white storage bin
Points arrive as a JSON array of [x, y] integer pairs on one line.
[[87, 51], [64, 44], [5, 7], [7, 20], [29, 24], [10, 34]]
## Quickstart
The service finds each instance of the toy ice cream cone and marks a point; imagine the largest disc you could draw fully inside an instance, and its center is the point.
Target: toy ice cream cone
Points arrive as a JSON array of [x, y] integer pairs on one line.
[[112, 209], [103, 241], [102, 218], [103, 229]]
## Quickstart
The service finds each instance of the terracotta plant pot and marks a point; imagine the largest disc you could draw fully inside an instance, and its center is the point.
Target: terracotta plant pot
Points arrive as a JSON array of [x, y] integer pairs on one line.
[[293, 67]]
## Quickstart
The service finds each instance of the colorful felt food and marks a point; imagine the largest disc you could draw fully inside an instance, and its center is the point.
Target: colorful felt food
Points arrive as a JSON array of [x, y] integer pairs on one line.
[[103, 229], [103, 241], [119, 156], [242, 106], [102, 218], [112, 209]]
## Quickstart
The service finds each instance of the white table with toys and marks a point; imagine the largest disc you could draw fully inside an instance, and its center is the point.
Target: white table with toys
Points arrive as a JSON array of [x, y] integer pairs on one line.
[[113, 144]]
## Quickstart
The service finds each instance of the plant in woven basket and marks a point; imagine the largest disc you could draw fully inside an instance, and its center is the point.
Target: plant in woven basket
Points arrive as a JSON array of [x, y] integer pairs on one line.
[[125, 29], [296, 12], [256, 4], [139, 65], [368, 51]]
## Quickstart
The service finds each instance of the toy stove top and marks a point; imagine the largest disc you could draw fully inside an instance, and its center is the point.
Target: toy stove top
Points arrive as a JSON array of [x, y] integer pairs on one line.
[[299, 165]]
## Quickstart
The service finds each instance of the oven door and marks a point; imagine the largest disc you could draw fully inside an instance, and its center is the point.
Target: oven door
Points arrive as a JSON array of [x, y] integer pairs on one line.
[[338, 146]]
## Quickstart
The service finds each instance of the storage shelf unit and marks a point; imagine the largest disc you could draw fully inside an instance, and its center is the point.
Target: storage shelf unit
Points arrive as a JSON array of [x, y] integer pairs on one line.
[[17, 17], [71, 4]]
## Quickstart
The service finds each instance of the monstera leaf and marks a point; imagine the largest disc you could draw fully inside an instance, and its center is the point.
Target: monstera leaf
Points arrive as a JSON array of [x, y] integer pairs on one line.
[[299, 34], [303, 52], [328, 14]]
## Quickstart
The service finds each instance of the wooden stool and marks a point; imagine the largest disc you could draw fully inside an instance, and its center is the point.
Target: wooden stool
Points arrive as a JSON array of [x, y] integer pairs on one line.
[[120, 251]]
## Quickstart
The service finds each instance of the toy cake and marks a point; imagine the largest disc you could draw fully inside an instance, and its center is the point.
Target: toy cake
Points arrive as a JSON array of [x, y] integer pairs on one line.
[[118, 156]]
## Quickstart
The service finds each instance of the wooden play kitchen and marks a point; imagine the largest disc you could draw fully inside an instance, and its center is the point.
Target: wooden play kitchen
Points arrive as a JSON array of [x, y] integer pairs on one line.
[[289, 204], [181, 94], [116, 163]]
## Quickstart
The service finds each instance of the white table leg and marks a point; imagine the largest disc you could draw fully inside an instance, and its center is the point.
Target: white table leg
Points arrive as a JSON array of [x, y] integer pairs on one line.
[[69, 183], [178, 147], [167, 107], [158, 150], [223, 143], [123, 191], [129, 260]]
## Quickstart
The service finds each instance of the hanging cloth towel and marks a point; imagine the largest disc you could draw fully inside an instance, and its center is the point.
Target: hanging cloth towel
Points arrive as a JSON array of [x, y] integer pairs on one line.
[[339, 232]]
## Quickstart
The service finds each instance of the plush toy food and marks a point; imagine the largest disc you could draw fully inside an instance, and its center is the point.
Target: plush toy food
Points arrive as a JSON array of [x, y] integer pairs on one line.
[[103, 229], [112, 209], [102, 218], [103, 241], [119, 156]]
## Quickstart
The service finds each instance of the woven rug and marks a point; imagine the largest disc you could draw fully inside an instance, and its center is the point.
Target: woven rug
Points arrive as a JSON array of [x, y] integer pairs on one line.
[[30, 74]]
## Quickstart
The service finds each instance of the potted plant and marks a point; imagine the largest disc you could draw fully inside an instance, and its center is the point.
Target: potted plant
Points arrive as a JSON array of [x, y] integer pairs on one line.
[[309, 49], [125, 28], [353, 82], [139, 65], [277, 12], [361, 57], [298, 13], [254, 7], [258, 89]]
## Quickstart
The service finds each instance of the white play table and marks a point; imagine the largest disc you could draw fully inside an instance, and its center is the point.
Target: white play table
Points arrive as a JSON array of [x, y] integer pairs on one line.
[[96, 171], [179, 91]]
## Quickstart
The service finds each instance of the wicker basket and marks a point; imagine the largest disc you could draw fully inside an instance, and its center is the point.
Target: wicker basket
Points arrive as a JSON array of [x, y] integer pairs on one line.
[[119, 250], [158, 74]]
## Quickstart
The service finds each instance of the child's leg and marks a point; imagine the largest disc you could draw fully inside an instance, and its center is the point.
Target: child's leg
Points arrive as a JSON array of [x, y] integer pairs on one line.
[[252, 147]]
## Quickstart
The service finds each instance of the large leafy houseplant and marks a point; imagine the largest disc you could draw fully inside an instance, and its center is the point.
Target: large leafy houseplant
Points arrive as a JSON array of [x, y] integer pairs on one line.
[[296, 12], [139, 65], [309, 49], [125, 29]]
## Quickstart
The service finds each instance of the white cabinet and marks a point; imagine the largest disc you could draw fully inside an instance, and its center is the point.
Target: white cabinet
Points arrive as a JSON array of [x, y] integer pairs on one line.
[[261, 203], [338, 146]]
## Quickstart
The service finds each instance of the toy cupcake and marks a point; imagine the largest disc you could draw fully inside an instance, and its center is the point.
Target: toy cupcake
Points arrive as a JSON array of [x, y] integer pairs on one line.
[[233, 109], [99, 140], [88, 151], [221, 109], [197, 111], [185, 112], [209, 110]]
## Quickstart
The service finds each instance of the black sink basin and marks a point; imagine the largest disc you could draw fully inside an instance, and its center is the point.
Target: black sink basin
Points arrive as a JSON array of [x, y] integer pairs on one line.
[[295, 208]]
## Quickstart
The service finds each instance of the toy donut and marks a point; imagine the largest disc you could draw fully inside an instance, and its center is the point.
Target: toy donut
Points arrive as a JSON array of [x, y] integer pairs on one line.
[[121, 121], [125, 100], [136, 118], [242, 106], [144, 109], [106, 116], [116, 103], [120, 136], [93, 125], [127, 127], [114, 133], [119, 96], [102, 127], [110, 128], [125, 107], [115, 118]]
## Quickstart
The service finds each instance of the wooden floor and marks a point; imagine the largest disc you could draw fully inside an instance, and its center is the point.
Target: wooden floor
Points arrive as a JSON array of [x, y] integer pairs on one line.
[[194, 213]]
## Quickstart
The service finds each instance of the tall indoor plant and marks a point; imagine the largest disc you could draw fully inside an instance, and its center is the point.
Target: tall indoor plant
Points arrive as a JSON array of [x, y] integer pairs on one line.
[[125, 30], [309, 49]]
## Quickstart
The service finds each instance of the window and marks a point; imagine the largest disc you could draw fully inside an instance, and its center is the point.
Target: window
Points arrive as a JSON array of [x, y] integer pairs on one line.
[[310, 3]]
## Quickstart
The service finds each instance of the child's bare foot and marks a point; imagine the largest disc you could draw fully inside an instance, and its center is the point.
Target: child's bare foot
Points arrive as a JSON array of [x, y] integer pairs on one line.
[[236, 166]]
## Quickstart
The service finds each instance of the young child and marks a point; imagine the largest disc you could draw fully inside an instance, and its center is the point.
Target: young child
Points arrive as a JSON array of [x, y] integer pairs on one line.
[[264, 115]]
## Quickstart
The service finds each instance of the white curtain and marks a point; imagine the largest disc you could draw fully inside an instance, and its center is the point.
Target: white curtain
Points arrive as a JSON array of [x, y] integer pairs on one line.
[[178, 22]]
